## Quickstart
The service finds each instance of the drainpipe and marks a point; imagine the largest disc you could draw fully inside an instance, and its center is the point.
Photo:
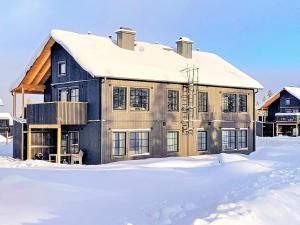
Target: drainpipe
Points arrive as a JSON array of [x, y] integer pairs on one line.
[[255, 91], [103, 81]]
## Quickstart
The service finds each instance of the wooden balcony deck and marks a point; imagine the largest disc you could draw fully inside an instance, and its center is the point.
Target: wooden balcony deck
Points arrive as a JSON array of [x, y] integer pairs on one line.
[[63, 113]]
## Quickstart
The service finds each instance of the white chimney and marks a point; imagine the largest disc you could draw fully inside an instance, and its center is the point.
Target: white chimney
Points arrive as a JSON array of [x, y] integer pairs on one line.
[[125, 38], [185, 47]]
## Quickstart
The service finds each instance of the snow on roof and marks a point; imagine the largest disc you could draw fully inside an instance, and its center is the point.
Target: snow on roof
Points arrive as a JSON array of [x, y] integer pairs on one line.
[[293, 91], [6, 116], [153, 62]]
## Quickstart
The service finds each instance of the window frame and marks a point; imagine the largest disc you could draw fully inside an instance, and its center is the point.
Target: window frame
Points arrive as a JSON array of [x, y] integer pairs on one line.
[[176, 145], [70, 94], [201, 102], [70, 138], [59, 94], [241, 101], [229, 137], [225, 108], [59, 63], [125, 96], [113, 147], [246, 137], [139, 146], [206, 140], [139, 109], [176, 108]]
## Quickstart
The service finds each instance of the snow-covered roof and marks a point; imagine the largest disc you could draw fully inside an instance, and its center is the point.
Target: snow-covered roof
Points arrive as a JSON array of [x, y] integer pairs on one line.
[[295, 91], [101, 57], [6, 116]]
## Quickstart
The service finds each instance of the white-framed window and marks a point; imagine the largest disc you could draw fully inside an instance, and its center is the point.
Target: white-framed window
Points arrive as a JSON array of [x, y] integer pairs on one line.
[[287, 101], [74, 94], [172, 141], [118, 143], [139, 143], [68, 94], [202, 140], [243, 139], [62, 68], [63, 95], [228, 139]]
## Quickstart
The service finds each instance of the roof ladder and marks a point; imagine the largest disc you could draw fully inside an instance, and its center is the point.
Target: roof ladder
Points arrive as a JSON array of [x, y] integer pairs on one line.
[[189, 99]]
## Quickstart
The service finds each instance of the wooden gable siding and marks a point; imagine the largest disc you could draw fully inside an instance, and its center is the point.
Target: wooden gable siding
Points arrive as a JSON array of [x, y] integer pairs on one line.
[[89, 87], [295, 102], [159, 120]]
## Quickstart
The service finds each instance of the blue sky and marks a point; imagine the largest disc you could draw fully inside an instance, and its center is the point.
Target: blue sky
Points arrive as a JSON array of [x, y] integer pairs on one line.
[[262, 38]]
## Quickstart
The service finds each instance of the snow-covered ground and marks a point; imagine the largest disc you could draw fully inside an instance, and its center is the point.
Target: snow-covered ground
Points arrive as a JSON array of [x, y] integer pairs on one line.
[[260, 189]]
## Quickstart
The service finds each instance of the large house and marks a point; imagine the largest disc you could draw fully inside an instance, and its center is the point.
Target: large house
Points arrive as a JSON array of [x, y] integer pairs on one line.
[[124, 99], [280, 114]]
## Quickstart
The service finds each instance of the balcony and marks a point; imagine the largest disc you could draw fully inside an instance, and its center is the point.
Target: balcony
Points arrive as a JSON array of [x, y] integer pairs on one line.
[[63, 113], [287, 117]]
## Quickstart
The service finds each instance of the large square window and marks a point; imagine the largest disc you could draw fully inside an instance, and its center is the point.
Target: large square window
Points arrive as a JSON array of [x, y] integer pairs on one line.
[[228, 140], [139, 143], [139, 99], [229, 102]]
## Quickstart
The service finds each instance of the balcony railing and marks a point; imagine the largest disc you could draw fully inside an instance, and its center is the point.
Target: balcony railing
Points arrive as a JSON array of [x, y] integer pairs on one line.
[[64, 113], [288, 117]]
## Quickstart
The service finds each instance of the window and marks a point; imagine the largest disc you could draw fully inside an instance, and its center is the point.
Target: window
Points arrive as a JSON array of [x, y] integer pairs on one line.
[[202, 140], [243, 139], [74, 141], [228, 140], [118, 143], [74, 95], [119, 98], [229, 103], [4, 123], [139, 99], [172, 145], [64, 143], [139, 143], [62, 68], [287, 101], [63, 95], [173, 97], [243, 103], [202, 102]]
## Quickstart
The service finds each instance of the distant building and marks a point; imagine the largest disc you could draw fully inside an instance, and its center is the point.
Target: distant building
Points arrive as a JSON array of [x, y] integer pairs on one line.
[[6, 124], [280, 114], [124, 99]]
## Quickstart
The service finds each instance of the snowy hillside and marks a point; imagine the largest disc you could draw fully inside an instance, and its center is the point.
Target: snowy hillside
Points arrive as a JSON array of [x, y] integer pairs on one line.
[[260, 189]]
